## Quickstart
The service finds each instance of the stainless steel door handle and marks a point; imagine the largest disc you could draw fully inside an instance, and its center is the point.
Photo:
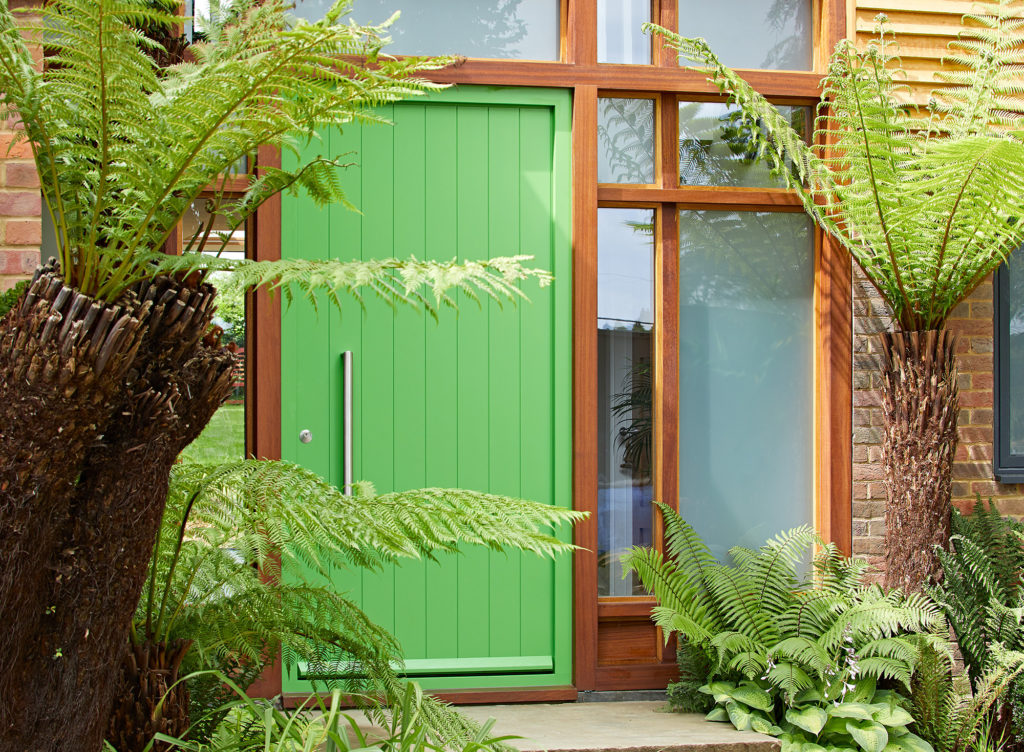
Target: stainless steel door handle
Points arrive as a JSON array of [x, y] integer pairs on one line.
[[346, 474]]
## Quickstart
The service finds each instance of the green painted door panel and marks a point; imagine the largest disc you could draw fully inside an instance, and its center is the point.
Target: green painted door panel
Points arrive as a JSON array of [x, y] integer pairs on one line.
[[479, 399]]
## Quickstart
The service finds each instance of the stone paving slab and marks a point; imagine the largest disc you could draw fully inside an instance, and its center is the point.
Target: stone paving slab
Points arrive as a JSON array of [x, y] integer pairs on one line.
[[614, 727]]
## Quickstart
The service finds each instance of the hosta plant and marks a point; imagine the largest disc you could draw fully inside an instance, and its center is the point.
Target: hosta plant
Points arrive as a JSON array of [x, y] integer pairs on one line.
[[778, 639], [860, 716], [928, 204]]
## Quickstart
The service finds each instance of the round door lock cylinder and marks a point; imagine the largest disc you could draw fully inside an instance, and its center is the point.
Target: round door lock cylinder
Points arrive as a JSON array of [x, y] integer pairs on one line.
[[305, 436]]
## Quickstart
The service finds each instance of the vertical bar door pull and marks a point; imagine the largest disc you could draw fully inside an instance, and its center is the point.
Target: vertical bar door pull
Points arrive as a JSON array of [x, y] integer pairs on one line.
[[346, 365]]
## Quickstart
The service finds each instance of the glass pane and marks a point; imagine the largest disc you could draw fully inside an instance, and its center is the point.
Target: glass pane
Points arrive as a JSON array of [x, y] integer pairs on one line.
[[524, 29], [746, 386], [619, 39], [715, 148], [223, 439], [625, 140], [1015, 318], [771, 34], [625, 326]]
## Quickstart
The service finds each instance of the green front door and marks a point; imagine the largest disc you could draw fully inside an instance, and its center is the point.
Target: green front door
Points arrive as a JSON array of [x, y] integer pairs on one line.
[[480, 399]]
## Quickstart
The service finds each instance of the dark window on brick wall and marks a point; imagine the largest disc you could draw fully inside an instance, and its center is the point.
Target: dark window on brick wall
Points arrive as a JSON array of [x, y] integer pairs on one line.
[[1009, 370]]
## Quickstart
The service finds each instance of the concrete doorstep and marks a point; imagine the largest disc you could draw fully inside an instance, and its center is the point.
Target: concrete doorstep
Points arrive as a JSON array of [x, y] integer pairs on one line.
[[614, 727]]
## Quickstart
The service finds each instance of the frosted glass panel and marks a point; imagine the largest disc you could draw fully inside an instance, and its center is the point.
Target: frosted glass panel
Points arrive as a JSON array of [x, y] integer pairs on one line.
[[746, 389], [625, 140], [619, 39], [715, 148], [524, 29], [625, 326], [1015, 318], [770, 34]]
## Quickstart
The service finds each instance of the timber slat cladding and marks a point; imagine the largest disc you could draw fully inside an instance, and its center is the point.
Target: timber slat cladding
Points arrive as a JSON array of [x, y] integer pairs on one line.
[[924, 29]]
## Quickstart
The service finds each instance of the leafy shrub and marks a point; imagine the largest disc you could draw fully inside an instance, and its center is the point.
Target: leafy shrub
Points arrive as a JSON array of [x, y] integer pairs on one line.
[[956, 722], [9, 297], [253, 725], [982, 597], [792, 655], [204, 591]]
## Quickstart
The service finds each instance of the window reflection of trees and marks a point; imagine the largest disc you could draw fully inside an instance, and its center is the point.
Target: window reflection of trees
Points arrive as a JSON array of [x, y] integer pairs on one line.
[[791, 52], [626, 134], [706, 125], [754, 264]]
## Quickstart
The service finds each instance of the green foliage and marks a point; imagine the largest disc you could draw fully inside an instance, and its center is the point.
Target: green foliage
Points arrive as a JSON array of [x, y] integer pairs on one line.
[[222, 521], [694, 664], [123, 148], [248, 725], [781, 641], [955, 722], [9, 297], [983, 597], [927, 206], [981, 592], [864, 718]]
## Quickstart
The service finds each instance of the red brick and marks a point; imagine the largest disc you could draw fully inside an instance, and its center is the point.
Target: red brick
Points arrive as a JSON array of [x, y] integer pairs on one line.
[[975, 363], [22, 261], [22, 204], [22, 175], [962, 453], [981, 344], [975, 434], [982, 416], [966, 470], [11, 150], [982, 380], [981, 452], [976, 398], [961, 489], [23, 232], [866, 398], [986, 488], [981, 309], [867, 472], [982, 327]]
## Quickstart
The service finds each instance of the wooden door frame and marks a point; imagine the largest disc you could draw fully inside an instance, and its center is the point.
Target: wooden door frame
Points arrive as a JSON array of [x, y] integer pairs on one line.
[[580, 71]]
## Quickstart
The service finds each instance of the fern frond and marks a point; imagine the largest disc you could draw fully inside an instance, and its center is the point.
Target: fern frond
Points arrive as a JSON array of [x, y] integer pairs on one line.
[[927, 218]]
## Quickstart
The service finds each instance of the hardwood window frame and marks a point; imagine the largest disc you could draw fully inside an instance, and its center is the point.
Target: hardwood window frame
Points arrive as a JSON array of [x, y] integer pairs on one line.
[[579, 71]]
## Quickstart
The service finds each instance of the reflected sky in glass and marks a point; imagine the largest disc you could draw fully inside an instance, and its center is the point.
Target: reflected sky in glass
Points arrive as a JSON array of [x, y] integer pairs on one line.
[[625, 309], [523, 29], [768, 34], [619, 39], [746, 389]]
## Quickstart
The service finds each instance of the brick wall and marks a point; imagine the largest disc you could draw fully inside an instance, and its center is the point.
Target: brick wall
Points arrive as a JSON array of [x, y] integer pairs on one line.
[[20, 203], [972, 469]]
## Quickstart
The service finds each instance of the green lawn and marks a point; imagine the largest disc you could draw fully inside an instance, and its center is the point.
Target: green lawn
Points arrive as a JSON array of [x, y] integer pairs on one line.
[[223, 439]]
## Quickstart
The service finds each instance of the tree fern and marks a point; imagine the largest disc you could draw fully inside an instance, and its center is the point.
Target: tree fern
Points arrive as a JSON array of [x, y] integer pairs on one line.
[[241, 545], [927, 206], [123, 148]]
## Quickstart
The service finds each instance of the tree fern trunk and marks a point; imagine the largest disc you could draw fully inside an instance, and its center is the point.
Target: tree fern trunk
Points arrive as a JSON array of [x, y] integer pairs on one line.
[[150, 698], [96, 403], [920, 403]]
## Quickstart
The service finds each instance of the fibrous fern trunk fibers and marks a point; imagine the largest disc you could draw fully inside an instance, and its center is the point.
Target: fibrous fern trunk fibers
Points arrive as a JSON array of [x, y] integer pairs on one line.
[[96, 403], [151, 698], [920, 404]]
